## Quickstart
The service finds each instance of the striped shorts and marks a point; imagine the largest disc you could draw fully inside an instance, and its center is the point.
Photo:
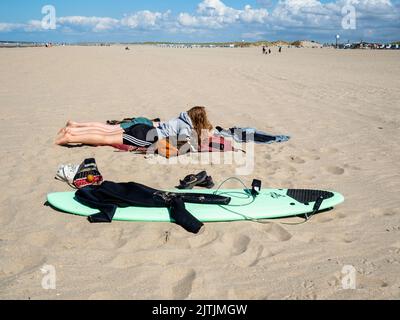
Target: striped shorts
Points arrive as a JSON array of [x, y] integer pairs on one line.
[[140, 135]]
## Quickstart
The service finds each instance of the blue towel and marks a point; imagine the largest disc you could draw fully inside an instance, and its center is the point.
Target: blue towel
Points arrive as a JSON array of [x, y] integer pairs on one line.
[[247, 134]]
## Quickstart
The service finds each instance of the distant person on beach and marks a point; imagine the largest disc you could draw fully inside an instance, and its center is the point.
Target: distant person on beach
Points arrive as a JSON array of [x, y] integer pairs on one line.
[[187, 125], [263, 49], [269, 50], [280, 49]]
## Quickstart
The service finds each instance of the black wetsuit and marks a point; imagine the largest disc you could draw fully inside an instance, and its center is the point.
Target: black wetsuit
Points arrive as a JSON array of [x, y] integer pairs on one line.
[[108, 196]]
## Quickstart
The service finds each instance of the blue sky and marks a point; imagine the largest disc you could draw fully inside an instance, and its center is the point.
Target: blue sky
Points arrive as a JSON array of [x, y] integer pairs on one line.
[[202, 20]]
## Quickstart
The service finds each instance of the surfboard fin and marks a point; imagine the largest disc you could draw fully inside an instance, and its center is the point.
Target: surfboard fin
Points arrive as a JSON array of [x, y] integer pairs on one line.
[[316, 206]]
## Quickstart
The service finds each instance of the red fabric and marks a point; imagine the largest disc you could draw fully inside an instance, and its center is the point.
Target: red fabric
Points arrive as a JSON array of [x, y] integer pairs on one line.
[[214, 144], [126, 147], [217, 144], [83, 182]]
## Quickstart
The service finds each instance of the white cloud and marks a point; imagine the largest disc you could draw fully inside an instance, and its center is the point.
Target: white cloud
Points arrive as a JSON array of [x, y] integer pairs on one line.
[[145, 20], [297, 13], [187, 20], [33, 25], [215, 14], [288, 14], [250, 15], [7, 27], [94, 23]]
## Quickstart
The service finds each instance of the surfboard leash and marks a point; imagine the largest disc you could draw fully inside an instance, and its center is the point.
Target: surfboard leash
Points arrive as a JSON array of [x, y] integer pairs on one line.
[[254, 191]]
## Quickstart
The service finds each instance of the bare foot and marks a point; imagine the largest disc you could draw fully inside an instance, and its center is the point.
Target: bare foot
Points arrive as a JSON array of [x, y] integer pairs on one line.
[[61, 131], [63, 140], [71, 123]]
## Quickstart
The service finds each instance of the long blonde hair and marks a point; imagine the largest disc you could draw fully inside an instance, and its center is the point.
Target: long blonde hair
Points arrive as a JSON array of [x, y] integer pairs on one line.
[[200, 121]]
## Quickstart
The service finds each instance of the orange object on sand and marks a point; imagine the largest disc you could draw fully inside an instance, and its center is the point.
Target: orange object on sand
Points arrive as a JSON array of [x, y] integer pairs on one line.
[[166, 149]]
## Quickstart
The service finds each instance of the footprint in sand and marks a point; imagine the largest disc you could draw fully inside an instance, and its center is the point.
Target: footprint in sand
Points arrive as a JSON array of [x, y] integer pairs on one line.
[[335, 170], [232, 244], [177, 282], [276, 232], [250, 257]]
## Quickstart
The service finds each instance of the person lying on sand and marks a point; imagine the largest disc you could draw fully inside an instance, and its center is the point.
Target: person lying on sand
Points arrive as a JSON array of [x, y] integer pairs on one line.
[[188, 125]]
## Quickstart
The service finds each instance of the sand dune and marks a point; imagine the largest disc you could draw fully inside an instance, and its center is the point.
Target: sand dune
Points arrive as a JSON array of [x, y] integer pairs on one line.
[[341, 109]]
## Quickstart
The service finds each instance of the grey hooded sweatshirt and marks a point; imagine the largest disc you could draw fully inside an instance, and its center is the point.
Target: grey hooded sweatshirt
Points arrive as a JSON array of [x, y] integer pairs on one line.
[[181, 126]]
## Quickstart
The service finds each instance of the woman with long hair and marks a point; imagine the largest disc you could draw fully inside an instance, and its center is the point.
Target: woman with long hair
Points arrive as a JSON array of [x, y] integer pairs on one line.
[[191, 125]]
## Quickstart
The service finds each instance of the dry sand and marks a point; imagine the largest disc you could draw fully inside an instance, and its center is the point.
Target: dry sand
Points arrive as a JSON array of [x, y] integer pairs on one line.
[[340, 107]]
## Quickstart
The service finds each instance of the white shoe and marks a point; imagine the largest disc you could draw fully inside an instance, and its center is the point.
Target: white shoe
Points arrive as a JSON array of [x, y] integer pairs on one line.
[[67, 173]]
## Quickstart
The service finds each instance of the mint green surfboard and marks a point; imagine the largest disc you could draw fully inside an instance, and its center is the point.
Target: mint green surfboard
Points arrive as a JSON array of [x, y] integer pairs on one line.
[[270, 203]]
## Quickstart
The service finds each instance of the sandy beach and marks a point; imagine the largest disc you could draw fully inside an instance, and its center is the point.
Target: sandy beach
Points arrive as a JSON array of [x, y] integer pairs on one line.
[[340, 107]]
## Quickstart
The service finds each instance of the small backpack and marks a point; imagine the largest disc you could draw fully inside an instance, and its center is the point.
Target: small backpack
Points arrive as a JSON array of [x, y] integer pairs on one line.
[[87, 174]]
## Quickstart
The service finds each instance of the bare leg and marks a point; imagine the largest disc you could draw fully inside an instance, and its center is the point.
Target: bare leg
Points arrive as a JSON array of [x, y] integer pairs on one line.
[[91, 139], [92, 130], [93, 125], [74, 124]]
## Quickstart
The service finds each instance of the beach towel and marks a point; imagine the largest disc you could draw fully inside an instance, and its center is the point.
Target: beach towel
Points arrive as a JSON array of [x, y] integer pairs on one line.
[[217, 143], [247, 134]]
